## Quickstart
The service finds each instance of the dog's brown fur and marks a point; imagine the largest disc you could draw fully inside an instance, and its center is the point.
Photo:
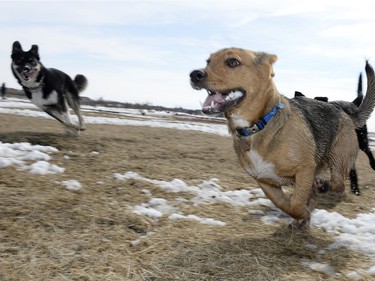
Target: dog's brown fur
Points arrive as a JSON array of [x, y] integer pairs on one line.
[[284, 152]]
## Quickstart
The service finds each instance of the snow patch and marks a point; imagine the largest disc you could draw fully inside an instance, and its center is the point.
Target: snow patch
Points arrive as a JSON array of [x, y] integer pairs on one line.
[[72, 184]]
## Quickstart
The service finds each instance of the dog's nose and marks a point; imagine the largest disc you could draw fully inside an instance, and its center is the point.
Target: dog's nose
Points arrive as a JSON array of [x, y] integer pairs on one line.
[[197, 76], [26, 68]]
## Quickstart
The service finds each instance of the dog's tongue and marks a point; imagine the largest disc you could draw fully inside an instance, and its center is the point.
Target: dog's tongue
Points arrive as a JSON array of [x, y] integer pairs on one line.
[[213, 99], [27, 74]]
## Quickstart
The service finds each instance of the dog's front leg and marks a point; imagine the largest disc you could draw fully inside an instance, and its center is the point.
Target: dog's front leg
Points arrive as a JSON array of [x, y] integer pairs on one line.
[[60, 117], [300, 205], [303, 200], [276, 195]]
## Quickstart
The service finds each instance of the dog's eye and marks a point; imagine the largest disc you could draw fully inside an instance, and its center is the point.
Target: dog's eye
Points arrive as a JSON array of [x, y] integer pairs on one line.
[[32, 62], [18, 60], [232, 62]]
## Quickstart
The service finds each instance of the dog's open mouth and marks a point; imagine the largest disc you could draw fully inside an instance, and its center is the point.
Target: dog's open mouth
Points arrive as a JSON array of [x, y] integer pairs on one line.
[[217, 102], [26, 75]]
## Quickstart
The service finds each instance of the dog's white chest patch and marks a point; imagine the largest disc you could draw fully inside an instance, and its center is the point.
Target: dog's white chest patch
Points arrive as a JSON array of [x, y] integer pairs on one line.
[[39, 101], [263, 169], [239, 122]]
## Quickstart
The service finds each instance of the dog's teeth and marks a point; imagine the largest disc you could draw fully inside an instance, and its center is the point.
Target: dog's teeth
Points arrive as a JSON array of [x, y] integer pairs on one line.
[[212, 104], [236, 94]]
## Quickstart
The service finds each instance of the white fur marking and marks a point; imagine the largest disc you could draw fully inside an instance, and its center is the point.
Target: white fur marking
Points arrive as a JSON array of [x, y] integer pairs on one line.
[[239, 121], [29, 83], [39, 101], [263, 169]]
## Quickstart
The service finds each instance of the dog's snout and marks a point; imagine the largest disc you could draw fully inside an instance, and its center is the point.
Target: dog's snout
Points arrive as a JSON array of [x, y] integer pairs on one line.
[[26, 68], [197, 76]]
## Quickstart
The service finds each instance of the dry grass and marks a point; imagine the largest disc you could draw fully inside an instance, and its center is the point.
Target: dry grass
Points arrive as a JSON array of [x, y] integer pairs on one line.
[[50, 233]]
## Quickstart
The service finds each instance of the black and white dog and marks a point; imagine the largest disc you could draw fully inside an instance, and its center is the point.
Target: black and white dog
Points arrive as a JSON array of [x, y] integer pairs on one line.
[[50, 89], [351, 108]]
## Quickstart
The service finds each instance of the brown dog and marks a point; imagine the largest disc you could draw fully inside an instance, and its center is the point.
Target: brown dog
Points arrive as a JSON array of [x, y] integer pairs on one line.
[[281, 141]]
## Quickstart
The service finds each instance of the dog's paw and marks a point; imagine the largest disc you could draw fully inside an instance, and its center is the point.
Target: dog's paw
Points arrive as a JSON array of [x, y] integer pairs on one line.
[[300, 225], [336, 186], [320, 185], [71, 126], [355, 190], [71, 132]]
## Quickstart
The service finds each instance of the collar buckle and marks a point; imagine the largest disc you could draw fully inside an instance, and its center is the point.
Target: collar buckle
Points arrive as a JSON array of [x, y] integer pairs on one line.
[[248, 131]]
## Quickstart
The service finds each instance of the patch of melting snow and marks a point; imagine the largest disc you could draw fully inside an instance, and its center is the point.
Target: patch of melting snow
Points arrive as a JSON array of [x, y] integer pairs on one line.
[[319, 267], [356, 234], [20, 154], [72, 184], [208, 192]]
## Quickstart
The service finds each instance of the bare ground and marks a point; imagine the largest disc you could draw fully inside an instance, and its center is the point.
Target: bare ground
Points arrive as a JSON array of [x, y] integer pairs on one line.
[[50, 233]]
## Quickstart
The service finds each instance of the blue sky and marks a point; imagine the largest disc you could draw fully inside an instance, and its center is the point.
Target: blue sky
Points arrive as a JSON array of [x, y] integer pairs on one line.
[[143, 51]]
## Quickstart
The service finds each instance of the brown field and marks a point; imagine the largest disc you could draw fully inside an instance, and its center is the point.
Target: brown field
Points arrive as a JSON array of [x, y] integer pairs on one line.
[[50, 233]]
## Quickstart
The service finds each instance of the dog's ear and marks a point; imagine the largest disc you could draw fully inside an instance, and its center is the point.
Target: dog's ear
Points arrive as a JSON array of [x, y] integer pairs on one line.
[[358, 100], [16, 48], [264, 58], [35, 51]]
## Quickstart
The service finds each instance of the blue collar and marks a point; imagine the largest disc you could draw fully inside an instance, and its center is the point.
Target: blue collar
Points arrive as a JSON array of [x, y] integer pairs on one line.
[[248, 131]]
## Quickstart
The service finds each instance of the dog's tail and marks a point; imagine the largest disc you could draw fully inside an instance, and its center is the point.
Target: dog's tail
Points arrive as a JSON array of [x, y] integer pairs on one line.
[[80, 82], [368, 104]]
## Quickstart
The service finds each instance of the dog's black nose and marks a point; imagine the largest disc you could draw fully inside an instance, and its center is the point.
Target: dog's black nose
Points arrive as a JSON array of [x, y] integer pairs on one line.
[[197, 76], [26, 68]]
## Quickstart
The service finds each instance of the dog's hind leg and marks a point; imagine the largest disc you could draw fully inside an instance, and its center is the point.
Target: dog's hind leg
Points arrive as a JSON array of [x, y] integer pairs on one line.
[[71, 128], [364, 144], [342, 156], [77, 111], [73, 100], [339, 172], [370, 157], [354, 181], [336, 184]]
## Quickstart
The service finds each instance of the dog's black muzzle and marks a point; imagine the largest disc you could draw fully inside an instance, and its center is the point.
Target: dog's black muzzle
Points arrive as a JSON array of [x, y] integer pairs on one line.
[[26, 71], [27, 68], [197, 76]]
